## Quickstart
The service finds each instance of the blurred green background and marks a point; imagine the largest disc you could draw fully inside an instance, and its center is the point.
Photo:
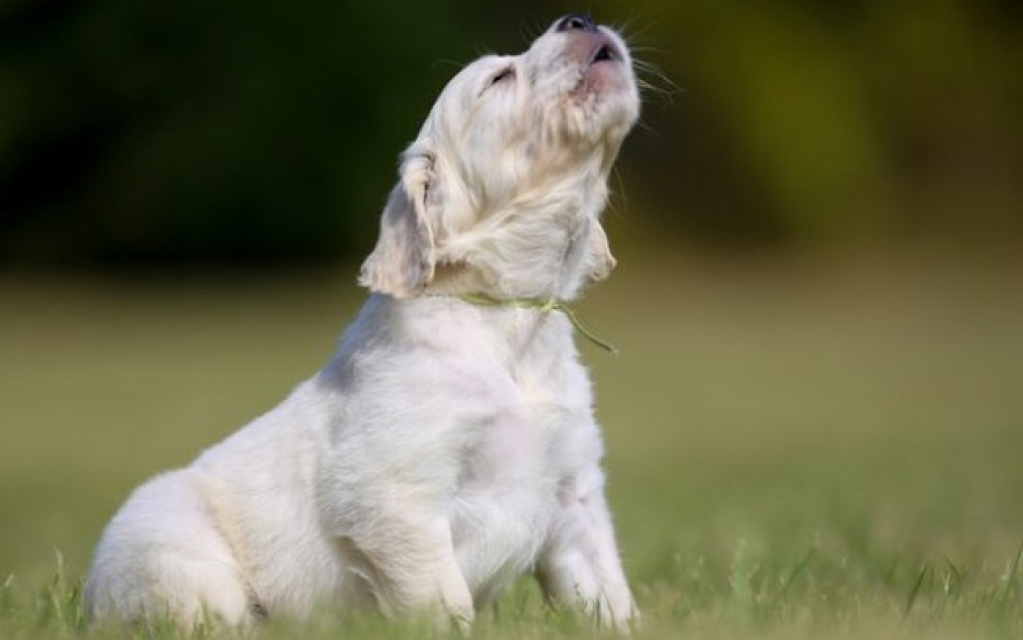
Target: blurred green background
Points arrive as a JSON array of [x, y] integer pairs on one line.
[[818, 222], [135, 133]]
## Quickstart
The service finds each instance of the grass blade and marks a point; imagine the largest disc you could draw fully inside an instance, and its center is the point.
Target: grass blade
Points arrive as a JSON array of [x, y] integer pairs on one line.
[[787, 582], [915, 591], [1011, 574]]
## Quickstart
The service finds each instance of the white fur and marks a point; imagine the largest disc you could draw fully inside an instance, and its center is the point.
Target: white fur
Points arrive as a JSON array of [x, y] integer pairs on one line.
[[446, 448]]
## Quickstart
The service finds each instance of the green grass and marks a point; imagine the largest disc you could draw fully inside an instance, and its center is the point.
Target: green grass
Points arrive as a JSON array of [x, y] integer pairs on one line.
[[812, 448]]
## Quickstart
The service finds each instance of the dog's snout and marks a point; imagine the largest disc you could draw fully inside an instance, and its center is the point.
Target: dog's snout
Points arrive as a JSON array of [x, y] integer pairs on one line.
[[576, 22]]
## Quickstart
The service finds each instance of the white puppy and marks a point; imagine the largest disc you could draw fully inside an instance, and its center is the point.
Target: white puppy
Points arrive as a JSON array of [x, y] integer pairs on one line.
[[449, 445]]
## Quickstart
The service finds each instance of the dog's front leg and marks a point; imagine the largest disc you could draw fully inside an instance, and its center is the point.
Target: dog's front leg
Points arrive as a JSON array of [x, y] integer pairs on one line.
[[580, 564], [407, 562]]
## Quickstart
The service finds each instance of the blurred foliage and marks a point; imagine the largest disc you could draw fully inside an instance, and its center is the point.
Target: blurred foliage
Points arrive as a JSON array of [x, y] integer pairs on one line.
[[268, 131], [805, 120]]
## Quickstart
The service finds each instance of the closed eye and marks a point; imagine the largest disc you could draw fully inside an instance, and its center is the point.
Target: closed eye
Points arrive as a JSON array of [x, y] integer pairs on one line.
[[503, 74]]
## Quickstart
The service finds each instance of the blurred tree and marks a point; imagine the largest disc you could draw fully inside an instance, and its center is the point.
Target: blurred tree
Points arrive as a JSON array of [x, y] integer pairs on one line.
[[808, 122], [212, 132], [134, 131]]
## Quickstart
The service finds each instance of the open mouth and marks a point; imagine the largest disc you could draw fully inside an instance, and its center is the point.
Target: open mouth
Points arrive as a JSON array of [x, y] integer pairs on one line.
[[603, 71], [605, 52]]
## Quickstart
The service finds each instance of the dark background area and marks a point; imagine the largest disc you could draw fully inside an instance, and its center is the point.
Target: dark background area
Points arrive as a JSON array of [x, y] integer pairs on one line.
[[136, 133]]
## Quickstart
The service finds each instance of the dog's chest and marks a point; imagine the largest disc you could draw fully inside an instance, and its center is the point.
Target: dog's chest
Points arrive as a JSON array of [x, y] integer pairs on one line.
[[507, 497], [531, 438]]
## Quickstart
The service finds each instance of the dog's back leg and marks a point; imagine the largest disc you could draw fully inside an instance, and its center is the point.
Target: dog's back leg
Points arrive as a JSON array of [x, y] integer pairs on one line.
[[163, 558]]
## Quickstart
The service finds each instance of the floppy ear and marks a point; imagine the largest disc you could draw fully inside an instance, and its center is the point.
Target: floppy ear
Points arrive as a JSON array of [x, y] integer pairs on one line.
[[600, 261], [402, 262]]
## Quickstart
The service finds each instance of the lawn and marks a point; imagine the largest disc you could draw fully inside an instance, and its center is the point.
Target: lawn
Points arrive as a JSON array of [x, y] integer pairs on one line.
[[810, 447]]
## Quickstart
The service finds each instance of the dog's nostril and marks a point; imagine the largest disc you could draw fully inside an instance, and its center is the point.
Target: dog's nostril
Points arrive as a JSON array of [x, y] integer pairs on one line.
[[577, 21]]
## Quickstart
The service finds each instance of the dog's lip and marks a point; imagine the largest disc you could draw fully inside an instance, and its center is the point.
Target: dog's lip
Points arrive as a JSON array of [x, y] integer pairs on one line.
[[605, 50]]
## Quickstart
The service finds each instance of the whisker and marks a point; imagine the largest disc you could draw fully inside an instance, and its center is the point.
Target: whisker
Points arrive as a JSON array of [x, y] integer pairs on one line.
[[652, 81], [483, 50], [658, 80], [447, 62], [531, 31], [632, 31], [646, 128], [618, 193], [651, 78]]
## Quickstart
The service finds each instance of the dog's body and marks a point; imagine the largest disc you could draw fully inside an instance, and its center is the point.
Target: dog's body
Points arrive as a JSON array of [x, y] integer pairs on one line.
[[447, 447]]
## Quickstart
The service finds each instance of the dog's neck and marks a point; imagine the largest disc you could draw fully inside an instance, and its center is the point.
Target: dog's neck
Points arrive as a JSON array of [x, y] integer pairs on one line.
[[547, 244], [542, 306], [552, 268]]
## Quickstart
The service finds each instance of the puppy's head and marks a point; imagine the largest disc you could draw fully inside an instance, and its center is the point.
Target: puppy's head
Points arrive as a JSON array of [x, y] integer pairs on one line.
[[502, 190]]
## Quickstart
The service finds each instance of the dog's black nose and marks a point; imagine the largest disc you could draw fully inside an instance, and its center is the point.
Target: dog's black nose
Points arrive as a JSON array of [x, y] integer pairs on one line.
[[576, 21]]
